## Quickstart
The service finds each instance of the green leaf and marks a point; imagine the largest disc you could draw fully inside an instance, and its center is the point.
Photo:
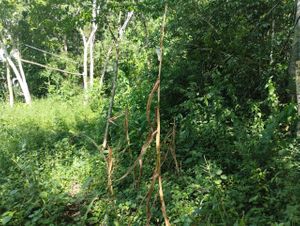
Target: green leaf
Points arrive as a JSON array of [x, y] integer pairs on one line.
[[219, 172], [218, 182], [6, 219], [224, 177]]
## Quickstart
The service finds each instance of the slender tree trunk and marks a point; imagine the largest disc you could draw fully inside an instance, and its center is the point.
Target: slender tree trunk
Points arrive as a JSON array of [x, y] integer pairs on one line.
[[112, 98], [92, 63], [295, 60], [92, 42], [117, 41], [272, 42], [23, 85], [9, 86], [86, 45], [85, 61], [65, 49], [21, 70], [85, 68]]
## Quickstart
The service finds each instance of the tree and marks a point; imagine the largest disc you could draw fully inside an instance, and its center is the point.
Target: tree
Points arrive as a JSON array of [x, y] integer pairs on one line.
[[9, 39]]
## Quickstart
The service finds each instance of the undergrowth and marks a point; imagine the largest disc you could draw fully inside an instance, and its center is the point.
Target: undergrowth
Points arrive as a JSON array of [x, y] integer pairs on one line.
[[52, 173]]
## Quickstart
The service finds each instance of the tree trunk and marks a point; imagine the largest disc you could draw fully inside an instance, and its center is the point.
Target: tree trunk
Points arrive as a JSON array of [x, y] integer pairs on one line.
[[9, 86], [112, 98], [21, 70], [85, 61], [86, 44], [92, 63], [295, 60], [65, 48], [272, 42], [92, 42], [23, 85]]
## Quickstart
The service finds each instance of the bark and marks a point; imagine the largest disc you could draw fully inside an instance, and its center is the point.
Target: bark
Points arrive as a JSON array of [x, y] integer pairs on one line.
[[9, 86]]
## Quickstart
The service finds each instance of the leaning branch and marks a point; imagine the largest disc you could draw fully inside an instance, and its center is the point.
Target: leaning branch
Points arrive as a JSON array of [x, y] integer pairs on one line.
[[50, 68], [52, 54]]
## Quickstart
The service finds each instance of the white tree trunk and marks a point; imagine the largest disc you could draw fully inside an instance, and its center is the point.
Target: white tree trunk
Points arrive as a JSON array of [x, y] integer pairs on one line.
[[86, 46], [85, 61], [92, 42], [92, 63], [23, 85], [9, 86], [21, 70]]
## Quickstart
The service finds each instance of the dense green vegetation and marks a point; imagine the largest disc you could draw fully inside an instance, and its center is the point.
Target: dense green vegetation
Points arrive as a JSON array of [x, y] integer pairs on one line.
[[229, 153]]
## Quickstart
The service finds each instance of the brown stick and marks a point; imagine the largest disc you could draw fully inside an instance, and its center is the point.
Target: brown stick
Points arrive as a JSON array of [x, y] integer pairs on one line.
[[158, 151], [142, 153], [157, 170], [109, 171], [149, 195], [126, 126], [150, 98]]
